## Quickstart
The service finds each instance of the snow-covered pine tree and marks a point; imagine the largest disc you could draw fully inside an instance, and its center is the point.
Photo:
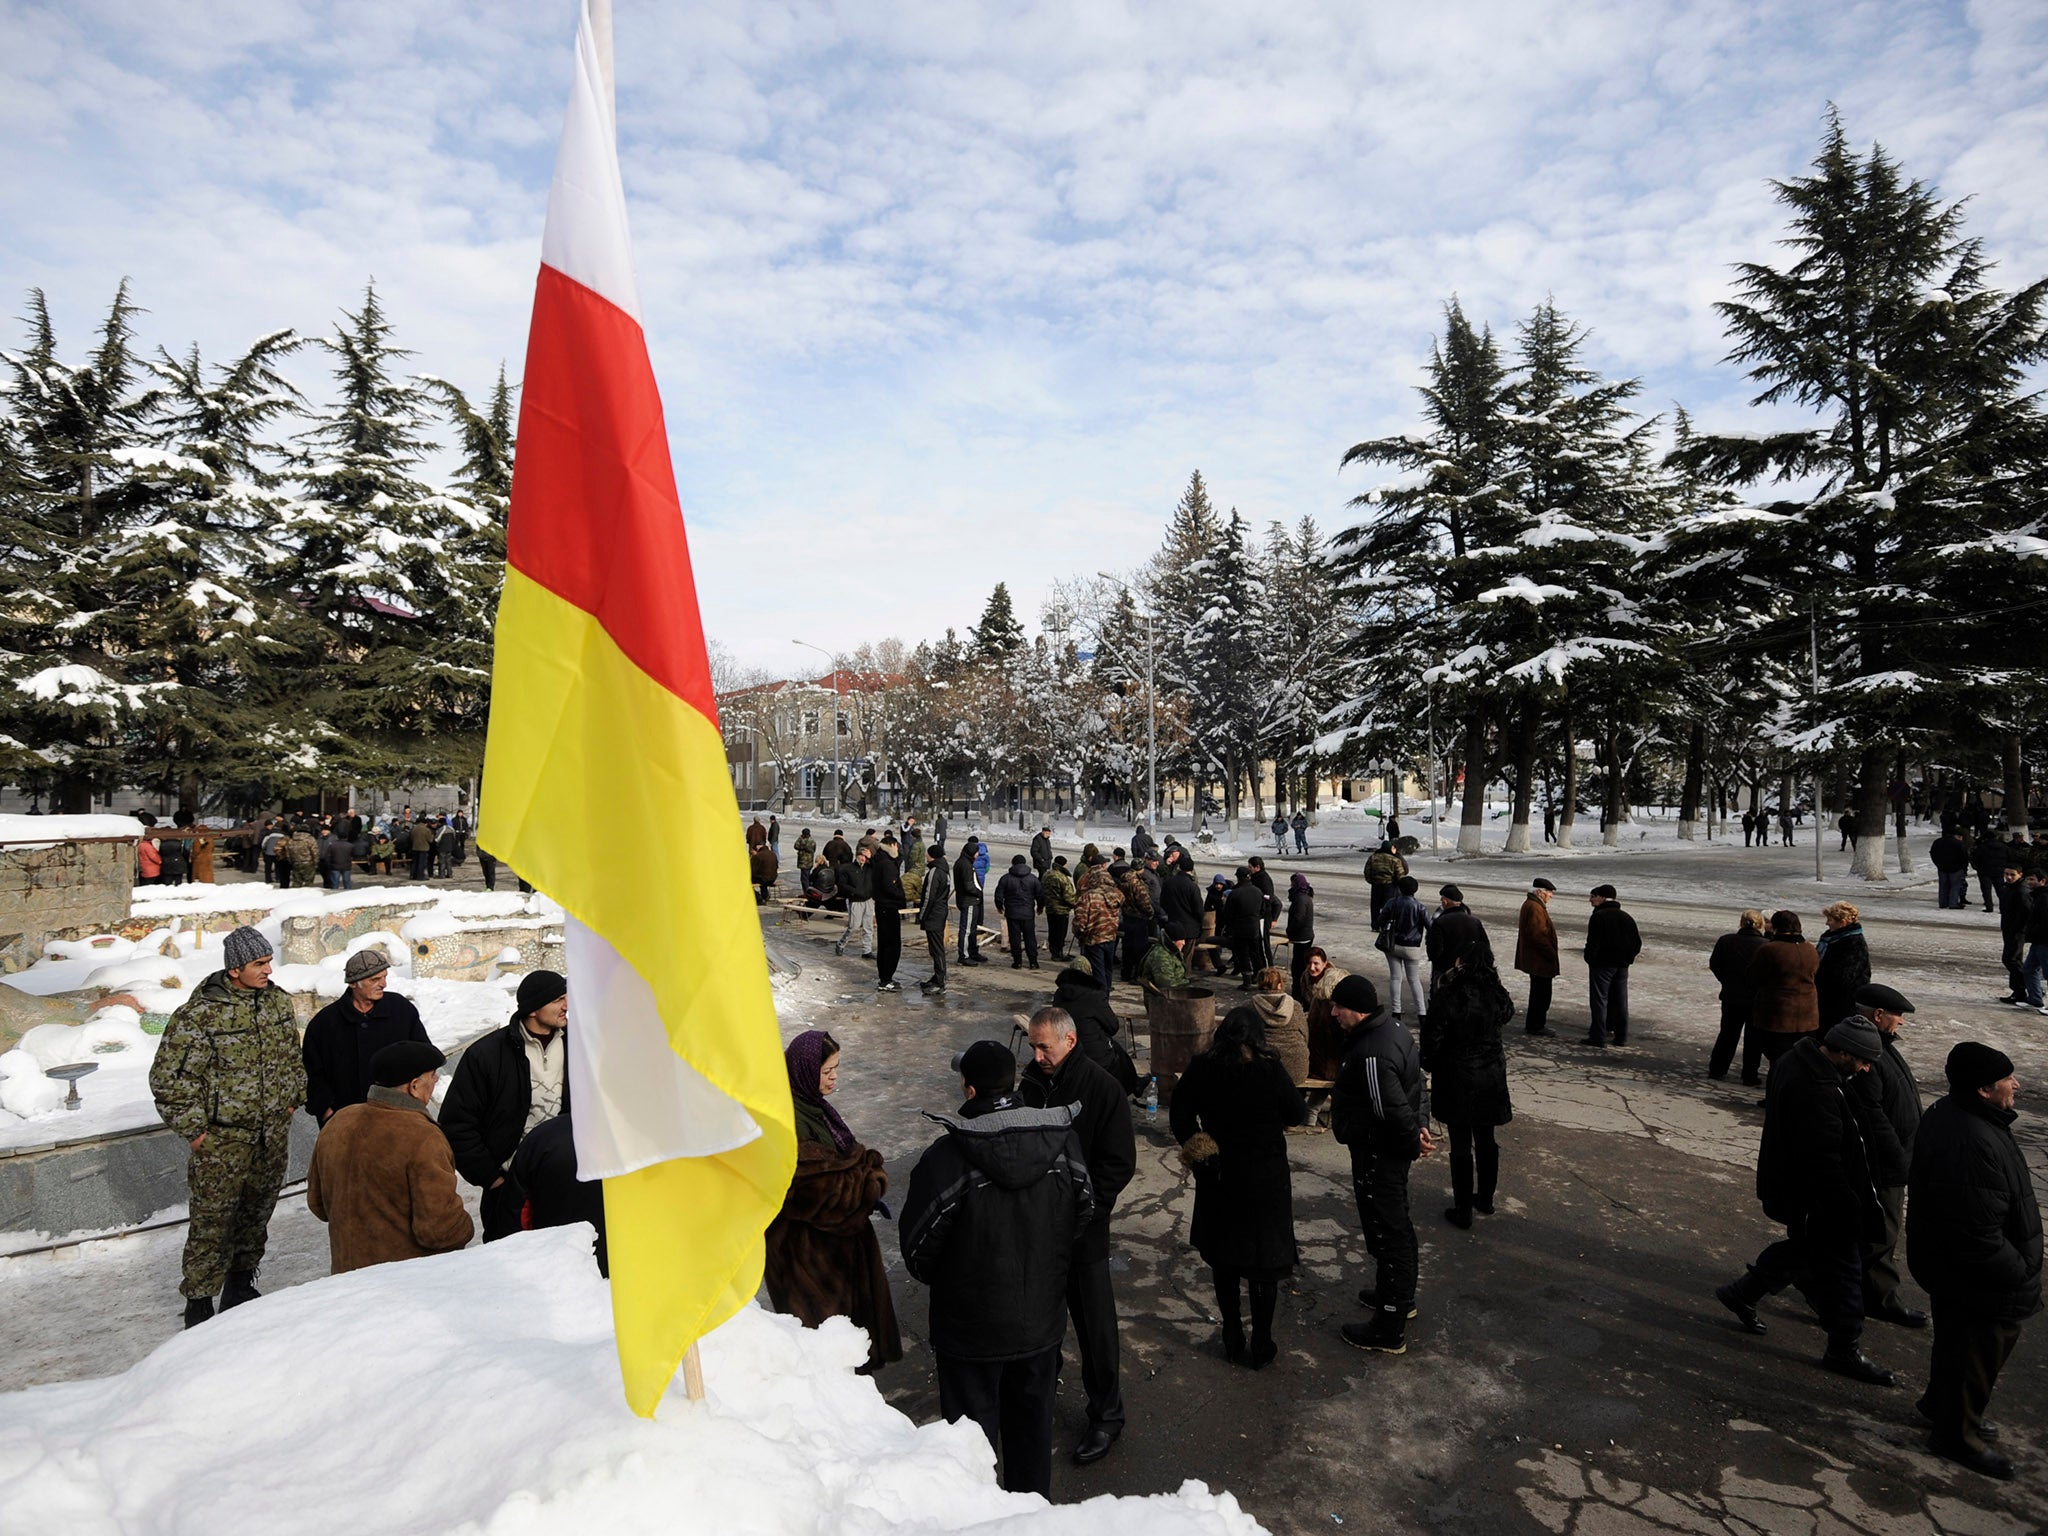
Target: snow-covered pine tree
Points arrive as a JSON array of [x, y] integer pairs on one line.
[[1885, 327], [68, 693], [1220, 664], [472, 535], [998, 634], [1422, 553], [364, 553]]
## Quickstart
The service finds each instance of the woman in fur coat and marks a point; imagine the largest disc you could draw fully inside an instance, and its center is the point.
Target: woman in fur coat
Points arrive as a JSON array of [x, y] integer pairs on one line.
[[823, 1257]]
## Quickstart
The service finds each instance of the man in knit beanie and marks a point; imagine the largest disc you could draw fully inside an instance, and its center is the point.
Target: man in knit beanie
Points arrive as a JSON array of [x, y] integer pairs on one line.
[[344, 1036], [227, 1078], [506, 1084]]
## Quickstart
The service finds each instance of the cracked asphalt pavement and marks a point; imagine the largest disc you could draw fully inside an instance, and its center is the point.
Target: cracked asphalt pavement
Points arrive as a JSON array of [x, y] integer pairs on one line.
[[1570, 1371]]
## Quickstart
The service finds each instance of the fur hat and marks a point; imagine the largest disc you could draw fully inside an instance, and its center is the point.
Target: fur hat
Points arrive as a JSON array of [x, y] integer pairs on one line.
[[244, 945]]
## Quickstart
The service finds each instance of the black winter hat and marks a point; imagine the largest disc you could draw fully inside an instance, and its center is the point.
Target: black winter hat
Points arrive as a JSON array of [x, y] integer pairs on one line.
[[1451, 893], [1357, 994], [987, 1067], [1016, 859], [398, 1064], [1877, 995], [539, 988], [1541, 884], [1973, 1065]]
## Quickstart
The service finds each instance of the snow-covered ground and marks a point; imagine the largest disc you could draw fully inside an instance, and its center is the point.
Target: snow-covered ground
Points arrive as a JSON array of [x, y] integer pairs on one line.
[[479, 1391], [161, 970]]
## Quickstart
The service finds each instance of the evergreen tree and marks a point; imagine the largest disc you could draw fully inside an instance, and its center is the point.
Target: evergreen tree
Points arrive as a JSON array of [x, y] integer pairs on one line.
[[998, 635], [1885, 327], [1219, 659]]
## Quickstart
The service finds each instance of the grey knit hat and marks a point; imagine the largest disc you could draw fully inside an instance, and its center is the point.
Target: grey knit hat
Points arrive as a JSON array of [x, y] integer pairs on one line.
[[243, 945], [1856, 1037], [364, 964]]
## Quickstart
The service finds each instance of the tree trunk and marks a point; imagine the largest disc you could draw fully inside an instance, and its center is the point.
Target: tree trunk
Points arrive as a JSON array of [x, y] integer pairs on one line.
[[1259, 792], [72, 797], [1899, 819], [2015, 787], [1568, 810], [1525, 778], [1695, 780], [1872, 781], [1616, 791], [1472, 819]]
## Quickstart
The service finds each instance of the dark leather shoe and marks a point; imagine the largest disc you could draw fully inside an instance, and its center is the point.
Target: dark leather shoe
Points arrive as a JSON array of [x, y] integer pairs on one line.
[[241, 1287], [1857, 1366], [1263, 1352], [1096, 1443], [1233, 1341], [1546, 1033], [1987, 1461], [1899, 1317], [1985, 1428], [1459, 1216], [1745, 1314], [1483, 1207]]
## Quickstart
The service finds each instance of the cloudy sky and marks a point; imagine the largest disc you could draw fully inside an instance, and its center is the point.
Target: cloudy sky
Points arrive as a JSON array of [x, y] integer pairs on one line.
[[946, 293]]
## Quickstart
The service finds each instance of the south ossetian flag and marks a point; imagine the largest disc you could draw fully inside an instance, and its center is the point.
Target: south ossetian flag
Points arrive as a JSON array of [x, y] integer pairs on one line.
[[606, 786]]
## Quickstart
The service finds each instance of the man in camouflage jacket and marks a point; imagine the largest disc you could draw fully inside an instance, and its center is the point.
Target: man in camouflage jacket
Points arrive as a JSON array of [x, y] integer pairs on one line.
[[227, 1077]]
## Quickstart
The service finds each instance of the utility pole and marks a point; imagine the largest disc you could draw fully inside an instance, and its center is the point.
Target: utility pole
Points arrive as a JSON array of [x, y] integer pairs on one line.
[[1151, 733], [1813, 659]]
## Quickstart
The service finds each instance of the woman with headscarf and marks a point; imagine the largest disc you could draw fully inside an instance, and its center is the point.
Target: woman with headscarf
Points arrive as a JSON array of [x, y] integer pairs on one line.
[[1231, 1111], [1301, 921], [823, 1257], [1468, 1066]]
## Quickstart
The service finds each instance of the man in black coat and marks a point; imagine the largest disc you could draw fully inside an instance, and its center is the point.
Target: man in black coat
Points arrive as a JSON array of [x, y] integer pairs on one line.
[[1060, 1074], [344, 1035], [932, 906], [1454, 929], [1141, 842], [1950, 856], [2015, 903], [857, 890], [1988, 859], [1018, 898], [967, 898], [1612, 944], [1376, 1111], [1180, 903], [885, 879], [1041, 851], [1096, 1025], [1891, 1154], [1244, 927], [990, 1222], [1813, 1174], [1730, 964], [505, 1085], [1973, 1240], [544, 1168]]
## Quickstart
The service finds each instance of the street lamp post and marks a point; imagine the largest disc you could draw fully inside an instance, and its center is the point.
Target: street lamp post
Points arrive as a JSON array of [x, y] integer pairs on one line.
[[838, 678]]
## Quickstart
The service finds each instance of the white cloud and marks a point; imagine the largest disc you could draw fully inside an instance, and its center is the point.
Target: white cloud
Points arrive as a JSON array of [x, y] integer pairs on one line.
[[941, 295]]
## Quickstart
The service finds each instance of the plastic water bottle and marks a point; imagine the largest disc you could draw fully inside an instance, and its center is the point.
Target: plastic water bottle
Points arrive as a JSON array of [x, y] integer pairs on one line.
[[1152, 1097]]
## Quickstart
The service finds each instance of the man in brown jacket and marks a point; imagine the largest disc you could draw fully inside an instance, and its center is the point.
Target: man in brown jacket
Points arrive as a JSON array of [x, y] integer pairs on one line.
[[382, 1176], [1536, 953]]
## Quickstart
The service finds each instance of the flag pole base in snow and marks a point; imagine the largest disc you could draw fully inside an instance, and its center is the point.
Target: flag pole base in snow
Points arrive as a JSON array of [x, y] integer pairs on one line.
[[693, 1375]]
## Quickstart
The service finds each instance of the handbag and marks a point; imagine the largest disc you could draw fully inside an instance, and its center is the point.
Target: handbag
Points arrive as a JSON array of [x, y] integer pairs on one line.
[[1385, 942]]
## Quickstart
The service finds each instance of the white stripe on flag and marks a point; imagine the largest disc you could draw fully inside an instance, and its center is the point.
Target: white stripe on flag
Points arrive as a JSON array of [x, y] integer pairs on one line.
[[586, 238]]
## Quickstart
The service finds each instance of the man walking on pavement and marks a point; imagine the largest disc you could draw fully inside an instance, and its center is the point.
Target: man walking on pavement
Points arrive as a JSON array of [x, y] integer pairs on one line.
[[1891, 1155], [1536, 953], [1376, 1111], [932, 906], [1813, 1174], [1060, 1076], [228, 1078], [1612, 944], [1973, 1241], [885, 874], [990, 1223], [967, 900]]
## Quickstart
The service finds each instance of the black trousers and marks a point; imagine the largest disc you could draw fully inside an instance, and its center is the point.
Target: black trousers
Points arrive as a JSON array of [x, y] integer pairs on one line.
[[1538, 1017], [888, 943], [1023, 940], [1056, 933], [1466, 1140], [1265, 1289], [1607, 988], [1091, 1303], [1381, 895], [1137, 935], [1826, 1263], [1012, 1401], [1102, 959], [969, 936], [935, 946], [1734, 1020], [1379, 1181], [1987, 887], [1970, 1349], [1299, 959], [2011, 954], [1881, 1258]]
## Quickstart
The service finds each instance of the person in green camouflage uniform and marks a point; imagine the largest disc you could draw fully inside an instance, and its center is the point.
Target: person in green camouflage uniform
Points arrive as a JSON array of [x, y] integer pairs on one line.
[[228, 1076]]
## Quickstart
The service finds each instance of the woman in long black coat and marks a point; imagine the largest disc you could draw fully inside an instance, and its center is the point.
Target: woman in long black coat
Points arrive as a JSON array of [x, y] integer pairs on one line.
[[1231, 1111], [1462, 1050], [1844, 963]]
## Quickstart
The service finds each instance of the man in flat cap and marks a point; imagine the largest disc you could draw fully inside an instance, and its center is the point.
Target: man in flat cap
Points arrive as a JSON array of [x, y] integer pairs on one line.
[[507, 1083], [348, 1032], [227, 1077], [1814, 1175], [1891, 1154], [1973, 1240], [382, 1176]]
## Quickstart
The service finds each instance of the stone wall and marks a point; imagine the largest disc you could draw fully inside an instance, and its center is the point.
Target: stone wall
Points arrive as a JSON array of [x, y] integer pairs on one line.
[[61, 889]]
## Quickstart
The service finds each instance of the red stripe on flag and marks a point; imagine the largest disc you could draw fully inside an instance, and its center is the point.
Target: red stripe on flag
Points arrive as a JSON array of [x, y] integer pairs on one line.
[[595, 517]]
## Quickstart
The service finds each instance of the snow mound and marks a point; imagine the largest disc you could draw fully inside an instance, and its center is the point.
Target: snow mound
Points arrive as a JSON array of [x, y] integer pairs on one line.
[[479, 1391], [41, 831]]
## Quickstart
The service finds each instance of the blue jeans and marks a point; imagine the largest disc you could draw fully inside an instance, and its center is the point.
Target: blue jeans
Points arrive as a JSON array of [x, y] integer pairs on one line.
[[1301, 840], [1955, 889], [2033, 968]]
